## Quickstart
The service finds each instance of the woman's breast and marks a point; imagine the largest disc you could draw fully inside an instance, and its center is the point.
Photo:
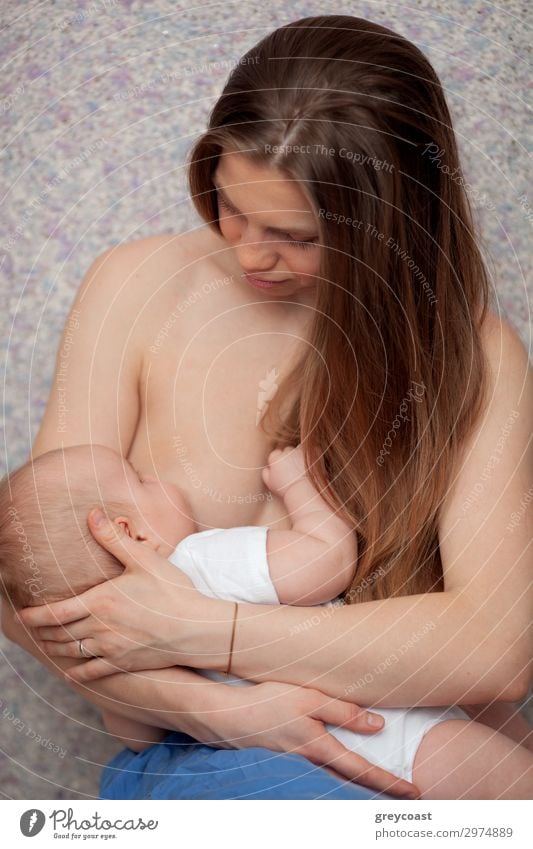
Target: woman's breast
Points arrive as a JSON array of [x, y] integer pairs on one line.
[[201, 404]]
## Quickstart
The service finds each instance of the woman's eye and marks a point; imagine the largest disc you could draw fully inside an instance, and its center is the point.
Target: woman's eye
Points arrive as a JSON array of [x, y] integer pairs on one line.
[[294, 242], [303, 245], [223, 203]]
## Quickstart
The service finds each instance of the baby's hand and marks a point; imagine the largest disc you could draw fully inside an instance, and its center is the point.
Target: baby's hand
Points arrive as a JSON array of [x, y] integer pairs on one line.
[[284, 467]]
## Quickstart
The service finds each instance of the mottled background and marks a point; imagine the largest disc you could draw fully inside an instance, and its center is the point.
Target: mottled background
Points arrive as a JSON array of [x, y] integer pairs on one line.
[[100, 103]]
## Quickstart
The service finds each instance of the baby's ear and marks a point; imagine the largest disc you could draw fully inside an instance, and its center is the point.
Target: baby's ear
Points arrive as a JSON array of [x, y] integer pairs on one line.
[[125, 523]]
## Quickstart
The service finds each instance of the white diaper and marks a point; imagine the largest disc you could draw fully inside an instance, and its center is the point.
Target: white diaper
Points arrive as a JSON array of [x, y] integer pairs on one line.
[[228, 563], [231, 564], [394, 747]]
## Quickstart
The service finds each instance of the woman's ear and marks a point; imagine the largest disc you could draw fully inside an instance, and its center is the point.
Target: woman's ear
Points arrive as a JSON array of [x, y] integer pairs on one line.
[[128, 528]]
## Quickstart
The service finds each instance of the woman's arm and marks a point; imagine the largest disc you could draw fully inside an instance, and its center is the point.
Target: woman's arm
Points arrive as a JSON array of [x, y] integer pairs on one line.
[[99, 358], [468, 644], [175, 699], [98, 364], [135, 735], [271, 715], [97, 381]]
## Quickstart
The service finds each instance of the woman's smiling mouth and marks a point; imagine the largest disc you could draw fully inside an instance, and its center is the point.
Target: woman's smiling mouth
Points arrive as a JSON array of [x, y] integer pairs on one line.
[[262, 284]]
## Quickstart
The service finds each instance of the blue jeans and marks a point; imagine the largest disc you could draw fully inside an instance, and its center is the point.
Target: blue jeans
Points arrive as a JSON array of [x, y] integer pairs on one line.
[[181, 768]]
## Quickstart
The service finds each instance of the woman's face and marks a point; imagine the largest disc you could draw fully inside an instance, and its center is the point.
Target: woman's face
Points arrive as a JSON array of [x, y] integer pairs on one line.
[[269, 222]]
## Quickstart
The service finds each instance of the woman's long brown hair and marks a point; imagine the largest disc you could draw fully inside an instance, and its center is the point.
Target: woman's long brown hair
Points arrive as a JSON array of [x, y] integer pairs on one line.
[[394, 377]]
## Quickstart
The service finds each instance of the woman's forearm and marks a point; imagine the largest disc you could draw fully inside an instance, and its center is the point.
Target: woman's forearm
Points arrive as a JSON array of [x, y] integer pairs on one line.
[[430, 649], [175, 698], [171, 698], [135, 735]]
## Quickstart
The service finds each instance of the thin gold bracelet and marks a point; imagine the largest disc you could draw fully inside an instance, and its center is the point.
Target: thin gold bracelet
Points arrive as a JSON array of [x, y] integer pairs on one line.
[[232, 637]]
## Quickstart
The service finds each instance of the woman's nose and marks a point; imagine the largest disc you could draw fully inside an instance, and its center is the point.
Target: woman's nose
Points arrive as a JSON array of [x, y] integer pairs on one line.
[[255, 256]]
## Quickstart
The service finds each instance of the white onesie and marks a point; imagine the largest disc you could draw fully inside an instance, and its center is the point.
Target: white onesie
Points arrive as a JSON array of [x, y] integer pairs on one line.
[[232, 564]]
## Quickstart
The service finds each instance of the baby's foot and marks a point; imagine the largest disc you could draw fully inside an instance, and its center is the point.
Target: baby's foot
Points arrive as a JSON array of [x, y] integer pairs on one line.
[[284, 467]]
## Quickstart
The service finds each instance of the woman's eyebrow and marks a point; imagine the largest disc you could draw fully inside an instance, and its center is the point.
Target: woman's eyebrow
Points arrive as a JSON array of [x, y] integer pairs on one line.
[[302, 231]]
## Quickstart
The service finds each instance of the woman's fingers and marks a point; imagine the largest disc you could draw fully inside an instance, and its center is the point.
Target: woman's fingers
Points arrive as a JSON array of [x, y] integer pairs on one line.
[[114, 539], [57, 613], [328, 751], [72, 649], [54, 649], [130, 552], [61, 633], [347, 715], [90, 671], [353, 766]]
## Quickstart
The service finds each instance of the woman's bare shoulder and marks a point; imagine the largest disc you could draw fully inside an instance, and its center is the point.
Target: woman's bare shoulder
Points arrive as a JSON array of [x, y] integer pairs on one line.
[[501, 342], [509, 390], [499, 446], [160, 253]]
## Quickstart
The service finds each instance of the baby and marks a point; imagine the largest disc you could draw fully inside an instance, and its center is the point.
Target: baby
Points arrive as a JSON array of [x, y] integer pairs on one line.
[[44, 505], [43, 509], [43, 530]]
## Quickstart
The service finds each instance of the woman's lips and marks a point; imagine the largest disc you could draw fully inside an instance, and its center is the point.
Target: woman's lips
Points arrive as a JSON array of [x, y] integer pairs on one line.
[[262, 284]]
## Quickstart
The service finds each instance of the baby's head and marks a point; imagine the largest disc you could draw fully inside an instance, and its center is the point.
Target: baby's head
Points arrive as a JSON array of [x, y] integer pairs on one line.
[[47, 551]]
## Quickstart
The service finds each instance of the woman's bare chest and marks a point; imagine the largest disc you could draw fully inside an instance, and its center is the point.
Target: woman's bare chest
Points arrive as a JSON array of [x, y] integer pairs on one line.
[[206, 384]]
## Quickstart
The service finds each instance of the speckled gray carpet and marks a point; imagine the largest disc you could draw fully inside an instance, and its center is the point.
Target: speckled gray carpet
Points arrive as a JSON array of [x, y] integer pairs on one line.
[[101, 100]]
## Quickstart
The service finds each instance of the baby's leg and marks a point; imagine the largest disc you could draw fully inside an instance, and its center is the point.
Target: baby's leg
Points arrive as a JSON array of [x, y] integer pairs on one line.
[[458, 759], [504, 717]]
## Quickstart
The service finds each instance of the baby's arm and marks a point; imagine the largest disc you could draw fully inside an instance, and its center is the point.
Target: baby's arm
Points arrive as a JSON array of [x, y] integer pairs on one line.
[[316, 560], [135, 735]]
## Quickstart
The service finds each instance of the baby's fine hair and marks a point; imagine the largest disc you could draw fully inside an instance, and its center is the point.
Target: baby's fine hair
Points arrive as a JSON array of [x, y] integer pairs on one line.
[[47, 552]]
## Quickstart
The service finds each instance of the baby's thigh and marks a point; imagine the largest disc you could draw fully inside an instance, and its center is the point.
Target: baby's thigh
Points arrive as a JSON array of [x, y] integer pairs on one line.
[[464, 759]]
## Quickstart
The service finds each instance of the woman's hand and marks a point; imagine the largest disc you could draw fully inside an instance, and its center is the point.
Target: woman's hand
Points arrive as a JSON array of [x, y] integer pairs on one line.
[[280, 717], [288, 718], [146, 618]]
